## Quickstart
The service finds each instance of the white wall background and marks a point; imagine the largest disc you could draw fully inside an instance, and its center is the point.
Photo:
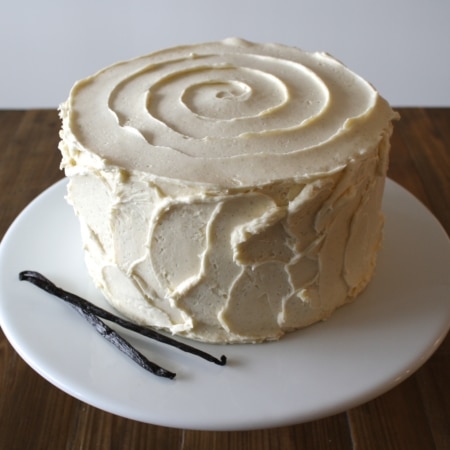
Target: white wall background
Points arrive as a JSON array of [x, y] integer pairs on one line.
[[401, 46]]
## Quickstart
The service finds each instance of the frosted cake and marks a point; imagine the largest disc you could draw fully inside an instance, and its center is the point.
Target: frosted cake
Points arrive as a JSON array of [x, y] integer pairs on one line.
[[229, 192]]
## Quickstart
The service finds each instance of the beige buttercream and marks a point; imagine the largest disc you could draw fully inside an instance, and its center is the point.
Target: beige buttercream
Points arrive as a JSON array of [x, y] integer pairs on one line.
[[228, 191]]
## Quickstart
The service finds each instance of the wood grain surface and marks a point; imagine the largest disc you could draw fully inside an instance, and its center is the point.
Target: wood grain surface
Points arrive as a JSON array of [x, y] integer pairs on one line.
[[34, 414]]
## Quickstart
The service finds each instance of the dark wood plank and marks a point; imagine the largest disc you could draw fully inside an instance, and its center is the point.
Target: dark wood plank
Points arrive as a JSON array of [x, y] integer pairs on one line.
[[98, 429], [433, 383], [33, 413], [30, 160], [430, 152], [393, 421], [402, 168], [9, 121], [329, 433]]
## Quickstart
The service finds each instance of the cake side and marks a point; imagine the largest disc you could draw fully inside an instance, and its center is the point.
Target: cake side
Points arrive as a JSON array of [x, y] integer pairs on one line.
[[245, 266], [237, 236]]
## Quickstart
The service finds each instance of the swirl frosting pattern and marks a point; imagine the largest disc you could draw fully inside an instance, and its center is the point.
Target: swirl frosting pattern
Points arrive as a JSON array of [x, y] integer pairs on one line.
[[228, 106], [229, 191]]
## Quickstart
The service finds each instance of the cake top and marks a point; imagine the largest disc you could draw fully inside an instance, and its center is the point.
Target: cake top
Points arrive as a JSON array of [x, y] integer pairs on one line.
[[230, 113]]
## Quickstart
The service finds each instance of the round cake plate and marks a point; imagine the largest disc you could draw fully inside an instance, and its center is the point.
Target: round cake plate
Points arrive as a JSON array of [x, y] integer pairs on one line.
[[363, 350]]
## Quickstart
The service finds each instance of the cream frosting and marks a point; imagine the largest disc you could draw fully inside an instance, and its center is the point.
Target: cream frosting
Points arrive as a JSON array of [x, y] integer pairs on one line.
[[228, 191]]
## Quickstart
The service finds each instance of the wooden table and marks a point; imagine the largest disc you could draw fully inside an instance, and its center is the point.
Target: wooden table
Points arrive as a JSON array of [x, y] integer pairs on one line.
[[36, 415]]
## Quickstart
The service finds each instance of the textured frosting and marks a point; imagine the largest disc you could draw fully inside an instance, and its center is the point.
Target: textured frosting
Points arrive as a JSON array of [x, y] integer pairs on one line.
[[228, 191]]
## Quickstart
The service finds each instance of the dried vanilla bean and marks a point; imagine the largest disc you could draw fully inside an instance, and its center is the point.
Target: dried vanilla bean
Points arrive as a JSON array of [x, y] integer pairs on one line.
[[80, 303], [124, 346]]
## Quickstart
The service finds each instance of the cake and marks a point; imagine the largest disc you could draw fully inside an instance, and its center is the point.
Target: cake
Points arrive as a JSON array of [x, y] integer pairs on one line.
[[228, 192]]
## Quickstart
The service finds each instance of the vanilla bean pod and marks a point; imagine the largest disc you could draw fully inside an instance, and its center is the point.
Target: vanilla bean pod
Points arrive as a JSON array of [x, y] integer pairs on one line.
[[111, 336], [104, 330], [45, 284]]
